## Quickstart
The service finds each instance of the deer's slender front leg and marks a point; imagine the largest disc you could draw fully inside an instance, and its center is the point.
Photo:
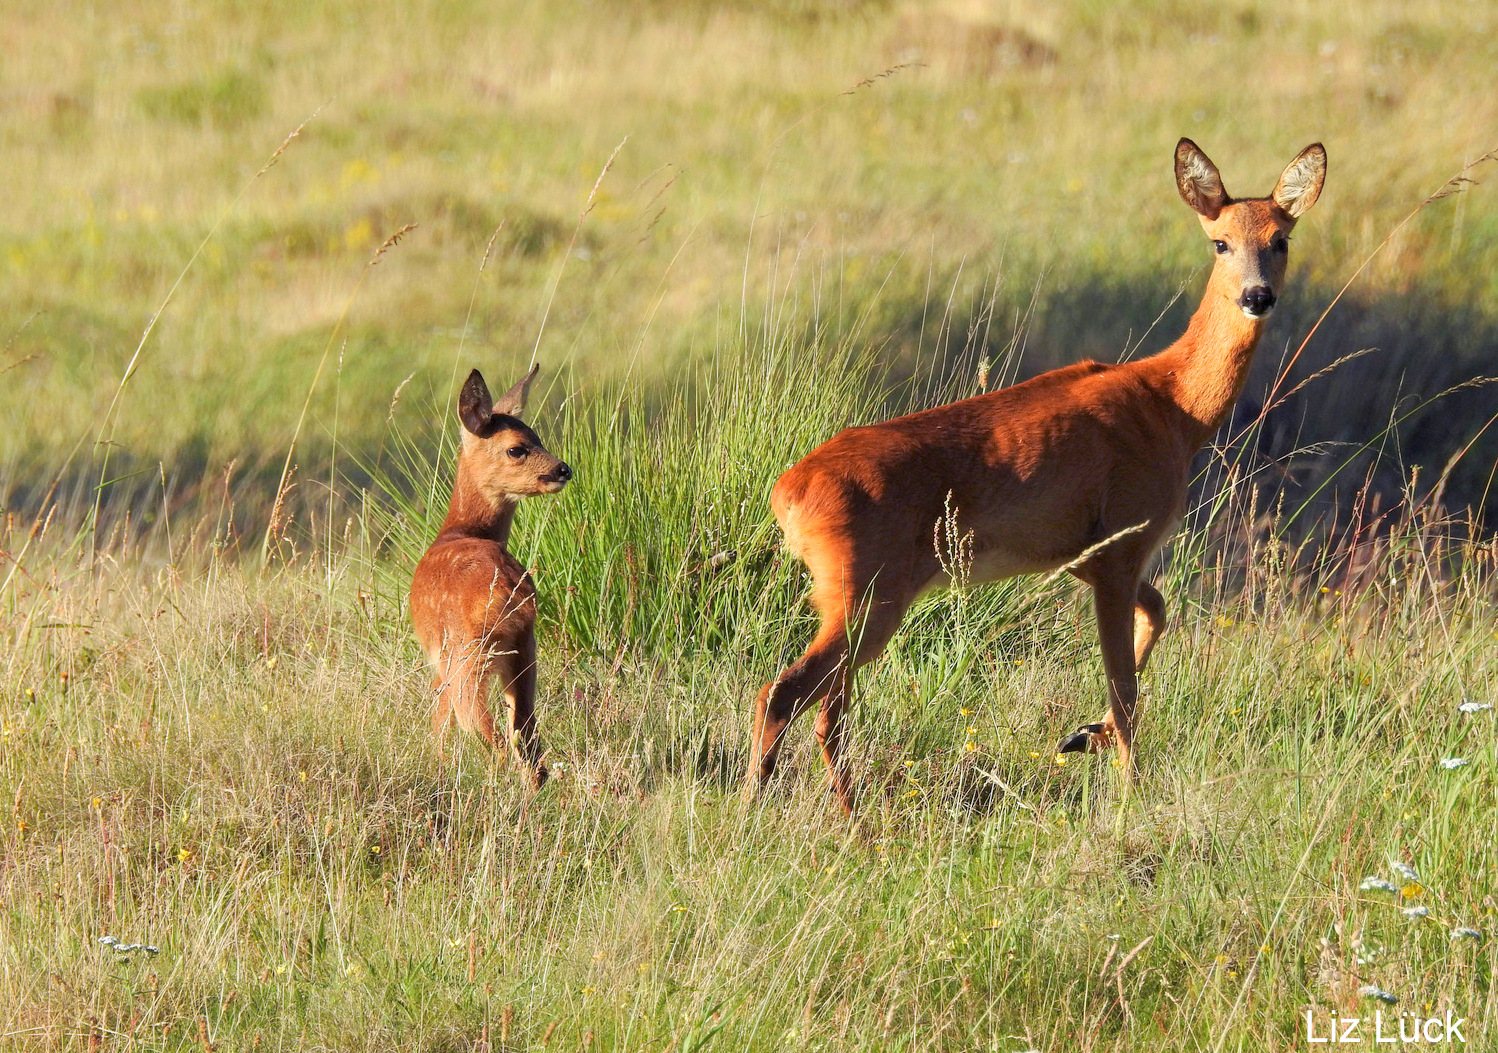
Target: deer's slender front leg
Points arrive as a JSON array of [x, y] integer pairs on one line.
[[1115, 620], [1128, 628]]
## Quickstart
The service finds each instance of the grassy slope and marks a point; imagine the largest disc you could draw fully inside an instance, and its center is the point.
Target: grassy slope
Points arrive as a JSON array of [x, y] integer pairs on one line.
[[234, 766], [985, 175]]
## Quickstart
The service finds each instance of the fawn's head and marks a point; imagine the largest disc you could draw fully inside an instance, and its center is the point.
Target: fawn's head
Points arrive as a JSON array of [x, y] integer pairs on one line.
[[500, 451], [1251, 236]]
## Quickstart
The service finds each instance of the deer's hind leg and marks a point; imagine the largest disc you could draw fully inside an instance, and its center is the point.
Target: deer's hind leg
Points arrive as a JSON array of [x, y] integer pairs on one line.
[[800, 685], [514, 667], [879, 625], [442, 711], [462, 685], [858, 618]]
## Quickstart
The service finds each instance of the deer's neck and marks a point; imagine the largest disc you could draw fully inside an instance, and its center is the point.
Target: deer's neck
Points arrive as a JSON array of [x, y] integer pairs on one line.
[[1209, 364], [473, 512]]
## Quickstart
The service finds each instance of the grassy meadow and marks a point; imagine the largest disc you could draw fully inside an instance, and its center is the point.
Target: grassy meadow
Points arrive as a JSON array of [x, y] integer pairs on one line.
[[248, 251]]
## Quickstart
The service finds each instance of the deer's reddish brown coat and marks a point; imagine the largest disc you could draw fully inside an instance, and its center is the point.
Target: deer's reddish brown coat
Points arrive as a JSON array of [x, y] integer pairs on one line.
[[472, 604]]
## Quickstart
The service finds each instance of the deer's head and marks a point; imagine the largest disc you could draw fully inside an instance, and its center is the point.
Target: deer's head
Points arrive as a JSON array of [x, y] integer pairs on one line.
[[500, 451], [1251, 237]]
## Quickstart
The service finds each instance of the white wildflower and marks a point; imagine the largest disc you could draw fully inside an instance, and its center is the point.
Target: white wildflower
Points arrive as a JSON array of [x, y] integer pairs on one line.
[[1416, 912], [1453, 762], [1473, 707], [1465, 933], [1377, 884], [124, 950], [1374, 991], [1404, 870]]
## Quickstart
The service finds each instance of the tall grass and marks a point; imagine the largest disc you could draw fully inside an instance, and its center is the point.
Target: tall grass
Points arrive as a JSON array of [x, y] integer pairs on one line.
[[232, 766]]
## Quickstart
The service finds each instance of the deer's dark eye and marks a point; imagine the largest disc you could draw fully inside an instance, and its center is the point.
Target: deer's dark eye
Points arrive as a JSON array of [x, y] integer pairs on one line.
[[1221, 247], [1281, 245], [516, 452]]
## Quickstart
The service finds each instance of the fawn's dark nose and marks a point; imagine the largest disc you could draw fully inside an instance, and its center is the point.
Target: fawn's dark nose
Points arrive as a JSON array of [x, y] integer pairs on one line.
[[563, 472], [1257, 302]]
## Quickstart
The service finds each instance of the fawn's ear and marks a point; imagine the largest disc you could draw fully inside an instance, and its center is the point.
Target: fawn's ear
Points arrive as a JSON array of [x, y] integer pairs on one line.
[[513, 401], [475, 407], [1301, 183], [1198, 180]]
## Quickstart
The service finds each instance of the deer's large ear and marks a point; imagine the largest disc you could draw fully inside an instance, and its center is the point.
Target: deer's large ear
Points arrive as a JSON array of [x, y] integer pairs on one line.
[[513, 401], [475, 407], [1198, 180], [1301, 183]]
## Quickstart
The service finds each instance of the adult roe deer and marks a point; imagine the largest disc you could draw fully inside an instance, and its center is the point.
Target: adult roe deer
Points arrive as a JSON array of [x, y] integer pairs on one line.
[[1084, 467], [472, 603]]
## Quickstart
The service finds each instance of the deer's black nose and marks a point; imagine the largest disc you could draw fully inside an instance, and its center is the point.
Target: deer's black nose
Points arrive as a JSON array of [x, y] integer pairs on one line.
[[563, 473], [1257, 301]]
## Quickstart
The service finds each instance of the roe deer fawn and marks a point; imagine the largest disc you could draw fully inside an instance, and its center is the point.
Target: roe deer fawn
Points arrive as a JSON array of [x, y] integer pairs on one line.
[[1084, 467], [472, 603]]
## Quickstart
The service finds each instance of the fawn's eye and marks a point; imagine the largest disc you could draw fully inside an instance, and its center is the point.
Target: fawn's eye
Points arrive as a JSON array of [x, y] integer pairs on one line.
[[1221, 247], [516, 452], [1281, 244]]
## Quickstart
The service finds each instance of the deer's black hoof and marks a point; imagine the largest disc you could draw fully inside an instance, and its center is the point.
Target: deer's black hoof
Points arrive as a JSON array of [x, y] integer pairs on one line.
[[1081, 740]]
